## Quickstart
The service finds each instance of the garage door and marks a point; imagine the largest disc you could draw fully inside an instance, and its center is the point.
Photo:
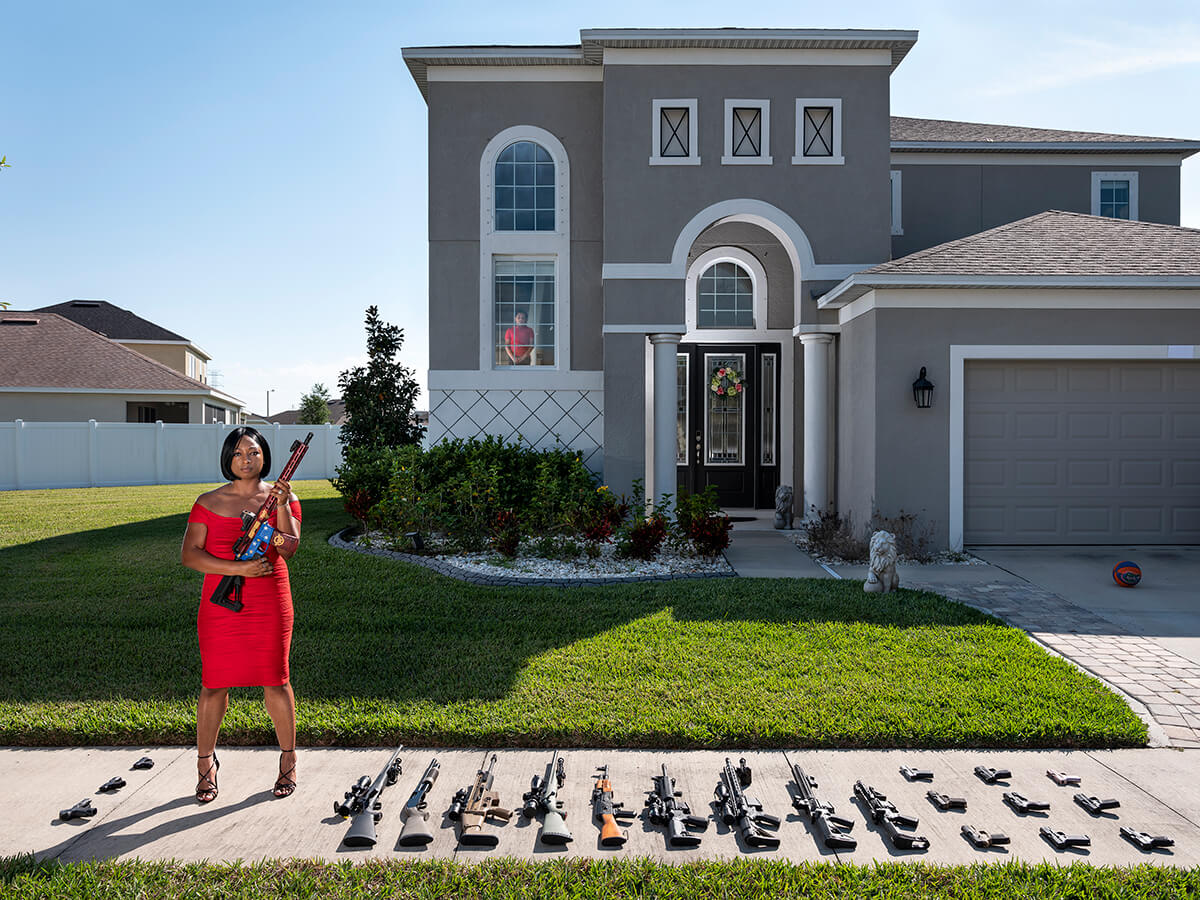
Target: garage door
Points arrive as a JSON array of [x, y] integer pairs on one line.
[[1077, 452]]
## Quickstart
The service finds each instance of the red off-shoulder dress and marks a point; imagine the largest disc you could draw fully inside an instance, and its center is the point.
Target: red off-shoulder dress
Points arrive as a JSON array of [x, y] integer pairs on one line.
[[239, 649]]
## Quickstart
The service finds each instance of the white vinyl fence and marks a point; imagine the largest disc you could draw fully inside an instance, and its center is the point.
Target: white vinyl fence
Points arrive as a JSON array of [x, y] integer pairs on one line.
[[101, 454]]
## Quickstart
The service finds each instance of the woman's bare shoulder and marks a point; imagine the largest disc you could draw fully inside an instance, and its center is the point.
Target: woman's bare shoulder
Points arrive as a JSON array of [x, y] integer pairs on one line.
[[215, 500]]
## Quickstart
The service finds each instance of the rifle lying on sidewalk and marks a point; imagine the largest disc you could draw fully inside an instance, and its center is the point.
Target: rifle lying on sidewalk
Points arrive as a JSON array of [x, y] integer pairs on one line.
[[737, 808], [608, 812], [475, 804], [666, 807], [833, 830], [257, 535], [542, 797], [883, 813], [363, 805], [416, 820]]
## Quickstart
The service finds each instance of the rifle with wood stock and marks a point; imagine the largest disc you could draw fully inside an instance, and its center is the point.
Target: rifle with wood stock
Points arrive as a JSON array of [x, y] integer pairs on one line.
[[608, 812], [474, 804], [257, 534]]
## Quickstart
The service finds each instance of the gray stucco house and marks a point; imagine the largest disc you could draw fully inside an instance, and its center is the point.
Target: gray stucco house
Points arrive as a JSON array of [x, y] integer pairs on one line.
[[714, 257]]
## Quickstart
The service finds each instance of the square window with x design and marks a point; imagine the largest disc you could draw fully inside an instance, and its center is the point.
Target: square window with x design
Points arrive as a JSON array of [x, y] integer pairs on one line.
[[673, 132], [747, 131]]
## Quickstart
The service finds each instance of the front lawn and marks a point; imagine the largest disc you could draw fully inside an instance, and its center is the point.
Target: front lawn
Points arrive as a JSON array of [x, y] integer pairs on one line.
[[758, 879], [99, 647]]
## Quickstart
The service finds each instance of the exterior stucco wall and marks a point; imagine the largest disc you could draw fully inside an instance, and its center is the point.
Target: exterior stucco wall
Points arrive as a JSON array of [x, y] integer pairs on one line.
[[463, 118], [945, 202], [625, 410], [904, 463], [35, 406], [646, 207]]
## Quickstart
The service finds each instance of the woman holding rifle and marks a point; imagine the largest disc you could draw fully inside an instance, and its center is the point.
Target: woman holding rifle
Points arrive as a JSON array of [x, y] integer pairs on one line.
[[249, 647]]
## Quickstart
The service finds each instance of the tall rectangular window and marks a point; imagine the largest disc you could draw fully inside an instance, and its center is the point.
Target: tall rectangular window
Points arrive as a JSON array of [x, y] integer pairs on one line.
[[673, 127], [747, 132], [897, 206], [818, 131], [524, 312], [769, 409], [682, 363]]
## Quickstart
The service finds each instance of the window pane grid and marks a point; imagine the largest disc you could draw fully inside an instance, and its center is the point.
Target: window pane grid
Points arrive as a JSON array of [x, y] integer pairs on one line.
[[524, 292], [724, 417], [725, 297], [682, 362], [767, 392], [524, 188], [1114, 199]]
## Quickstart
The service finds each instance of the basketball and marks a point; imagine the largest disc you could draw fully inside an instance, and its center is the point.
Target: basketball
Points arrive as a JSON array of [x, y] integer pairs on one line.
[[1127, 574]]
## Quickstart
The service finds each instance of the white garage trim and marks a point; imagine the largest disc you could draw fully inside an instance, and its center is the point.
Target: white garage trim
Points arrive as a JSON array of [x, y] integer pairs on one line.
[[960, 353]]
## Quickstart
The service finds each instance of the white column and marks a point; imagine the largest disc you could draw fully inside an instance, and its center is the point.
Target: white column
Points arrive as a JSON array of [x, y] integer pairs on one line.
[[666, 346], [816, 421]]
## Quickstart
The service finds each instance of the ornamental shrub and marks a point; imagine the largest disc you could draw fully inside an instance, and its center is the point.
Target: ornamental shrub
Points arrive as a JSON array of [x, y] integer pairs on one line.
[[362, 480], [644, 538]]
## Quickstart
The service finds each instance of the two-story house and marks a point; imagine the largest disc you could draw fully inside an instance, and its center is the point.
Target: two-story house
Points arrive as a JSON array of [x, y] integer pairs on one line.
[[714, 257]]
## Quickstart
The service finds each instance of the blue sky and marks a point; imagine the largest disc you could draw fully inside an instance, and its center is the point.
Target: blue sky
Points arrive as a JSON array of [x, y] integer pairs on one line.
[[252, 175]]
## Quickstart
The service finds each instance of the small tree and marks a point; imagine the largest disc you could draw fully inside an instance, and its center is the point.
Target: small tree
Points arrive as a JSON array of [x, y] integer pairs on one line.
[[314, 406], [380, 397]]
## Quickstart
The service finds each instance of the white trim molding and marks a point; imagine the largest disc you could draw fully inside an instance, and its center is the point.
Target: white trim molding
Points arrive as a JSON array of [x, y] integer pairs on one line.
[[656, 108], [897, 202], [836, 159], [554, 245], [960, 353], [514, 378], [719, 56], [763, 158], [636, 328], [514, 73], [1131, 177], [1072, 156]]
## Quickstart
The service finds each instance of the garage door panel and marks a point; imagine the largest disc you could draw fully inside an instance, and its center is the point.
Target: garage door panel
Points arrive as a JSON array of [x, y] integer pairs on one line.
[[1081, 452]]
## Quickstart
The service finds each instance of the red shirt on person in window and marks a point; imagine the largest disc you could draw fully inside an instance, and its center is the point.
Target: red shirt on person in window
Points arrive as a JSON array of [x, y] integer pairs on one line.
[[518, 341]]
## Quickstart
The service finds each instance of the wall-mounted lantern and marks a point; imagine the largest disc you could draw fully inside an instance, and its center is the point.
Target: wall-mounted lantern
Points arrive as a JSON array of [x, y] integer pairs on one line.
[[923, 391]]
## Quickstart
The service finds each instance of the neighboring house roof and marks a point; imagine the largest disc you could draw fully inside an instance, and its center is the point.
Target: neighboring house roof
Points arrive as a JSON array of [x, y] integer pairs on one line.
[[337, 414], [927, 135], [1050, 249], [594, 41], [48, 351], [112, 321]]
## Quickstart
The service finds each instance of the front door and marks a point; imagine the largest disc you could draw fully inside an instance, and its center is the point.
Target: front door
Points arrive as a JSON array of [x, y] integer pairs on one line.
[[727, 421]]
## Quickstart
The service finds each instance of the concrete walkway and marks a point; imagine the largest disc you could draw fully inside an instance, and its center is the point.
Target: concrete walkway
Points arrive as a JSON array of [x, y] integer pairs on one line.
[[1098, 627], [155, 816]]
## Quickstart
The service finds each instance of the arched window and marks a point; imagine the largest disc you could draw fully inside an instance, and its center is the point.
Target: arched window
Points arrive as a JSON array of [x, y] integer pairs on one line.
[[524, 188], [725, 297]]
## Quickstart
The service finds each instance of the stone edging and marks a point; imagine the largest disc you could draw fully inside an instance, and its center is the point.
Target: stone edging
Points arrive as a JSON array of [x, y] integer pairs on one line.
[[453, 571]]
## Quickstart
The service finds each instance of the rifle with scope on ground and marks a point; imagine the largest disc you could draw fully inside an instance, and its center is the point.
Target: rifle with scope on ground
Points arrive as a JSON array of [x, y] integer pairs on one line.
[[833, 830], [665, 806], [883, 813], [746, 812], [362, 804], [416, 820], [542, 797], [608, 812], [474, 804]]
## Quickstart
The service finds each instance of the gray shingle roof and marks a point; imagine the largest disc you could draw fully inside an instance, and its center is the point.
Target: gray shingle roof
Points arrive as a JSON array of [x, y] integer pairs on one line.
[[907, 132], [112, 321], [1060, 243], [55, 352]]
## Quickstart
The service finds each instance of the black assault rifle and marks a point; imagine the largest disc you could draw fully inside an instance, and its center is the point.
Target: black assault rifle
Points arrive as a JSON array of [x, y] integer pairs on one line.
[[474, 804], [257, 534], [665, 806], [608, 812], [416, 820], [883, 813], [362, 803], [744, 811], [542, 797], [833, 830]]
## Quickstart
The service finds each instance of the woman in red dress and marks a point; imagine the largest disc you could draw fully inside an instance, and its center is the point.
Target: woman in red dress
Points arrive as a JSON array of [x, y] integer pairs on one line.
[[250, 647]]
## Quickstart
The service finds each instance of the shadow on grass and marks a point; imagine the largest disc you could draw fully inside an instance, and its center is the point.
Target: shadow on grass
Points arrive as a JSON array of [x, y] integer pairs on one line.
[[110, 613]]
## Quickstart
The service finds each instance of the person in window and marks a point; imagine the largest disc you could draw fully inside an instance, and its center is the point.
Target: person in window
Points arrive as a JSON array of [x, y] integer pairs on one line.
[[518, 341]]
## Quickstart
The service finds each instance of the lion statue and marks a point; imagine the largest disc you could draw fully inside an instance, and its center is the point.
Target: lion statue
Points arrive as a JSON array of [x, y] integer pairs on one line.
[[783, 506], [882, 577]]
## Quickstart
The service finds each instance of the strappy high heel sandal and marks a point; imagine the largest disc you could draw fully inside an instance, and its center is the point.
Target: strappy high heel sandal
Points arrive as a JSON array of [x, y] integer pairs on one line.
[[208, 794], [285, 784]]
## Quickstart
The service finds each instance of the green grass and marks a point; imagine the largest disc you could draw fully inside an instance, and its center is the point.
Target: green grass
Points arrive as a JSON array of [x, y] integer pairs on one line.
[[99, 647], [603, 880]]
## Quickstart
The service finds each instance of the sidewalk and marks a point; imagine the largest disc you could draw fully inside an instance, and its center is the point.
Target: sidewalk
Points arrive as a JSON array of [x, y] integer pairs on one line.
[[155, 817]]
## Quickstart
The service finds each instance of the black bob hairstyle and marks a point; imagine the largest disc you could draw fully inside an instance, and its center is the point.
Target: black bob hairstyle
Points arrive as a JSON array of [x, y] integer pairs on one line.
[[231, 442]]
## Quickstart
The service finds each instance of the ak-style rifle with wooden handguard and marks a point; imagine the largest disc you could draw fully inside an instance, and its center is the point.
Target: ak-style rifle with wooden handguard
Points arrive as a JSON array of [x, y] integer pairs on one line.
[[257, 535]]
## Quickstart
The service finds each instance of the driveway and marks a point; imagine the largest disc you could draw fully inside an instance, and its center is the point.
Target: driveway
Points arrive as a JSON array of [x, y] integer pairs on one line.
[[1164, 607]]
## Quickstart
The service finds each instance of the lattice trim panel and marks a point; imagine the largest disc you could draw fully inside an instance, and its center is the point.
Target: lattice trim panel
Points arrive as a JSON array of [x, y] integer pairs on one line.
[[542, 419]]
